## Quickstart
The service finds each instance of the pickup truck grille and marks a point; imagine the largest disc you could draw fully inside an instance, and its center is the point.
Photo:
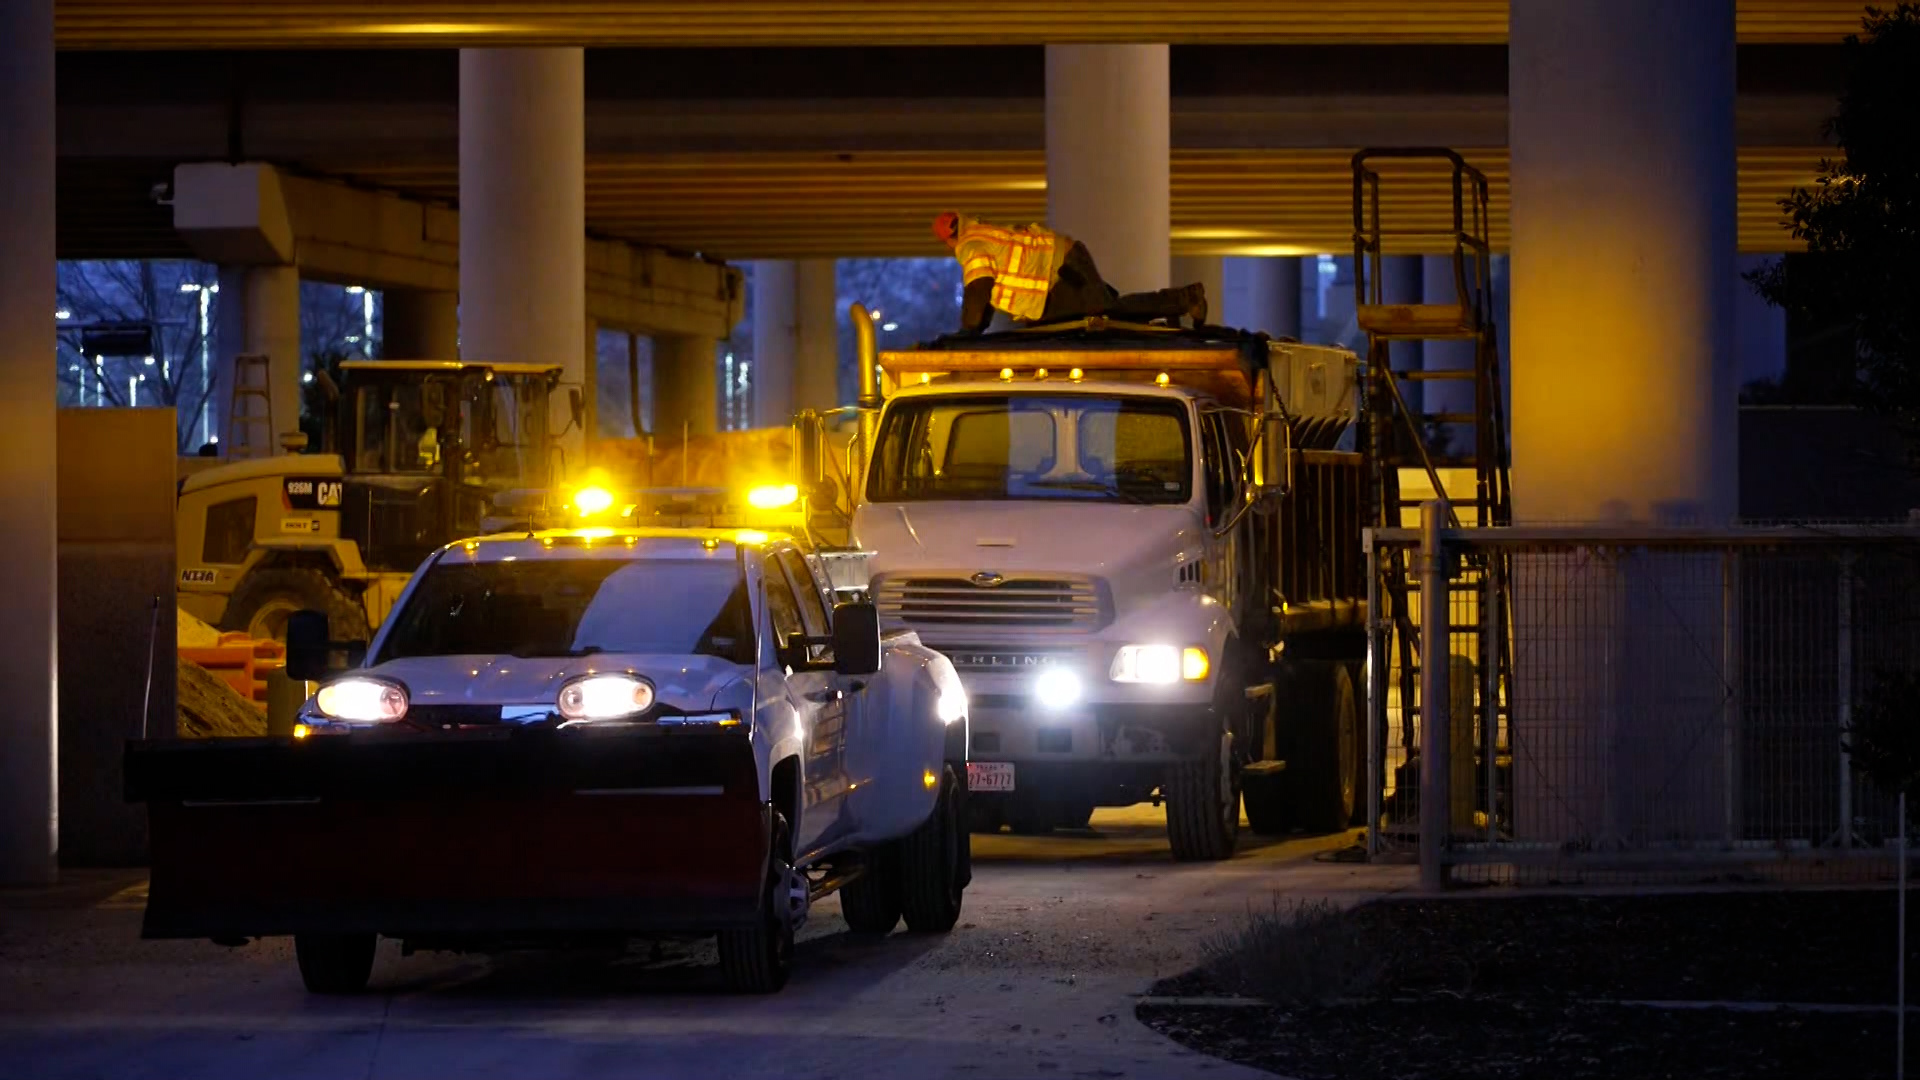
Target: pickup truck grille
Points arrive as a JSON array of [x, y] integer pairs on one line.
[[1052, 603]]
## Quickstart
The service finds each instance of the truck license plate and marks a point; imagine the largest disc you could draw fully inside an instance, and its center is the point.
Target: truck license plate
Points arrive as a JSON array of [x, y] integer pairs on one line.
[[990, 775]]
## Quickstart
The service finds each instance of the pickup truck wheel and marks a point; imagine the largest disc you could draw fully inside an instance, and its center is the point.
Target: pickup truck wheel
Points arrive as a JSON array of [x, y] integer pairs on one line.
[[334, 963], [1203, 805], [757, 960], [934, 863], [1324, 768], [871, 902]]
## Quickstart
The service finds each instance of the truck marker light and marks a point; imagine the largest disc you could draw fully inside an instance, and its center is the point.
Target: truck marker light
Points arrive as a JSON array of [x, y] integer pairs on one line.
[[1057, 688], [1075, 374], [929, 779], [1006, 374], [301, 731], [1193, 664]]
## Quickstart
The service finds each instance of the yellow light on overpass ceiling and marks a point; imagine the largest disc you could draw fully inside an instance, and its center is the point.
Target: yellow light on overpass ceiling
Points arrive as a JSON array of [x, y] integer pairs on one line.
[[436, 29]]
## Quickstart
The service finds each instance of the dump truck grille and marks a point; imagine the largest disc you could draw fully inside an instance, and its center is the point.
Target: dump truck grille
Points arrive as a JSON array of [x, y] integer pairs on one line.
[[1052, 603]]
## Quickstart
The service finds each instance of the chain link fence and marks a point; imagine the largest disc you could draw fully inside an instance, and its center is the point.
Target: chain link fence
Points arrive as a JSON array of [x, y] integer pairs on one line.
[[1635, 705]]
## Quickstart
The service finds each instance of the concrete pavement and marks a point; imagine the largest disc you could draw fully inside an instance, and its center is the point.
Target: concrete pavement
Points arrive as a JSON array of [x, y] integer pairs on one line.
[[1058, 936]]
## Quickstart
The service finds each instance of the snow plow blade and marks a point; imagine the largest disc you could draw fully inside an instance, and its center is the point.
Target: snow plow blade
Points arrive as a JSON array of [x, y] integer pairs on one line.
[[477, 833]]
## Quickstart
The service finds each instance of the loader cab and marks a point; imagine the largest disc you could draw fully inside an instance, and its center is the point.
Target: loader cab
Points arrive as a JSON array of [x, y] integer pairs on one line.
[[428, 444]]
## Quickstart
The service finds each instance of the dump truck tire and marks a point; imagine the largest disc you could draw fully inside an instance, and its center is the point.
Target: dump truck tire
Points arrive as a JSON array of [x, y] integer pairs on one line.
[[1203, 806], [266, 597], [1322, 772]]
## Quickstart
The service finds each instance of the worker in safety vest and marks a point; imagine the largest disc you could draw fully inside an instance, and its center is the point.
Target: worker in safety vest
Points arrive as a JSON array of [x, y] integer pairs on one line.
[[1037, 275]]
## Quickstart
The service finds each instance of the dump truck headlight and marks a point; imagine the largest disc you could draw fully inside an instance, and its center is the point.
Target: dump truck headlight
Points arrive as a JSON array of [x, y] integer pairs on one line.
[[1057, 688], [604, 697], [1162, 665], [359, 700]]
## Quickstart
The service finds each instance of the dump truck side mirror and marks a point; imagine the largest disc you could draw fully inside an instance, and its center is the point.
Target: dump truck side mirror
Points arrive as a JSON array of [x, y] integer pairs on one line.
[[1274, 461], [578, 405]]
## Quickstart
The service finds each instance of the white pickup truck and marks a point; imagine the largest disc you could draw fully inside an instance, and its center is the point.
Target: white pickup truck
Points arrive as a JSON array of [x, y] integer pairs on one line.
[[582, 733]]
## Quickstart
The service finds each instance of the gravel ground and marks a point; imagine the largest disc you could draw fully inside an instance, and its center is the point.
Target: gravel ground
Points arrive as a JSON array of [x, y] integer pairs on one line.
[[1058, 939], [1496, 987]]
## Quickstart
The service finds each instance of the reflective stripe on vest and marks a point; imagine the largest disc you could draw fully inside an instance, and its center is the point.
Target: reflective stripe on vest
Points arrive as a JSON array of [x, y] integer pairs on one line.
[[1022, 263]]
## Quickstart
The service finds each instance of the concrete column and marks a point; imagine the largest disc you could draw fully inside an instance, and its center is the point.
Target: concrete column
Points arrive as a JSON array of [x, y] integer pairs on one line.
[[1439, 287], [590, 382], [1622, 277], [776, 341], [28, 743], [1271, 291], [523, 215], [258, 314], [816, 372], [1107, 158], [1211, 272], [416, 324], [1623, 236], [686, 392]]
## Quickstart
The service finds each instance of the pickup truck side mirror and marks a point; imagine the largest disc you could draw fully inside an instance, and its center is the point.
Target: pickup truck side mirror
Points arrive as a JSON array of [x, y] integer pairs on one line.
[[310, 647], [856, 639]]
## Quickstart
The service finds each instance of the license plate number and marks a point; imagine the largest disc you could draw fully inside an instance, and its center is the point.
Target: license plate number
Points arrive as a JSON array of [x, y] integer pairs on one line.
[[990, 775]]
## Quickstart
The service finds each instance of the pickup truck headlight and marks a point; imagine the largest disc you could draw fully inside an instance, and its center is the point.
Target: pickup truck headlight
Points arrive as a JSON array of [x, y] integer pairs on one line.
[[605, 697], [1162, 665], [359, 700]]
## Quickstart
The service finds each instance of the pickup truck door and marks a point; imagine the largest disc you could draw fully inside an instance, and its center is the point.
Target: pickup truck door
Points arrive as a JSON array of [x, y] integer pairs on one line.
[[864, 745], [817, 699]]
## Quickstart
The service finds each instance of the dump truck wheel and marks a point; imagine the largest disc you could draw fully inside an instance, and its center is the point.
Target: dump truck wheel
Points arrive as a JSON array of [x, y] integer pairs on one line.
[[334, 963], [1322, 770], [1269, 804], [1203, 805], [934, 863], [261, 605], [871, 902], [758, 959]]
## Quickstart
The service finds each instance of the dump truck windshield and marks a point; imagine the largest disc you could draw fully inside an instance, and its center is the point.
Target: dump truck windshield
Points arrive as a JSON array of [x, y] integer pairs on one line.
[[1131, 449], [576, 607]]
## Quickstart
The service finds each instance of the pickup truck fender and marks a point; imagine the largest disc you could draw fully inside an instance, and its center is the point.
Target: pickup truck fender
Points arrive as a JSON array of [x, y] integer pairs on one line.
[[910, 741]]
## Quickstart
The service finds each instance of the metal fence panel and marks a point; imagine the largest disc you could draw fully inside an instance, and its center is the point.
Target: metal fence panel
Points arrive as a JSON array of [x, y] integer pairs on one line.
[[1673, 704]]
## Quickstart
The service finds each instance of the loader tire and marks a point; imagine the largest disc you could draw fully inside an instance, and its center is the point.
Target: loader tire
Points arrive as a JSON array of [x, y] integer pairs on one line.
[[934, 862], [1324, 770], [759, 958], [1203, 805], [265, 598], [334, 963], [871, 902]]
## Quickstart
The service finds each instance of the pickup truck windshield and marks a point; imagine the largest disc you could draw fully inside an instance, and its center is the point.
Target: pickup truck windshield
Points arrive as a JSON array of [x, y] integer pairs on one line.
[[576, 607], [1031, 446]]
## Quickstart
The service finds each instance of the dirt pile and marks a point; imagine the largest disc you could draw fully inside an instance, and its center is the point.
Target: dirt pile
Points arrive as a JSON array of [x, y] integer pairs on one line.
[[191, 633], [209, 708]]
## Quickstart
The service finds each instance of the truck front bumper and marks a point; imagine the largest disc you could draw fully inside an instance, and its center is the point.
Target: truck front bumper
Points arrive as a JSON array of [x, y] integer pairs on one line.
[[470, 834]]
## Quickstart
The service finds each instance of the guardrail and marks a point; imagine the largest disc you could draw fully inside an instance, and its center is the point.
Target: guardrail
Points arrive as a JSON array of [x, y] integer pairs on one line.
[[1675, 706]]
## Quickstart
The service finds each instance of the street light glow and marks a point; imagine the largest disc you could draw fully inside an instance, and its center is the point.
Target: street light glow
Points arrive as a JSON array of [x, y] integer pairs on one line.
[[63, 313]]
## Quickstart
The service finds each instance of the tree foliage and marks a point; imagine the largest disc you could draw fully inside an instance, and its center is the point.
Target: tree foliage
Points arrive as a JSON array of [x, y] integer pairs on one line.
[[1859, 281]]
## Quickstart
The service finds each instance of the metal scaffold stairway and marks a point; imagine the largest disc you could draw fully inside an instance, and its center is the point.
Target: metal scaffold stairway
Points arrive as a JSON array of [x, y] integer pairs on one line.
[[1460, 452]]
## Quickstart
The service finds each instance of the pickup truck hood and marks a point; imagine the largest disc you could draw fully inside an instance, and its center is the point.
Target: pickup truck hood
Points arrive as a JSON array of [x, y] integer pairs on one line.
[[1103, 539], [690, 683]]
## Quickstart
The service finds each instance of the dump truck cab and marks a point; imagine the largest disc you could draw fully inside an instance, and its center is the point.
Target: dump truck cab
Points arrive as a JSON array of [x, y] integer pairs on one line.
[[413, 457]]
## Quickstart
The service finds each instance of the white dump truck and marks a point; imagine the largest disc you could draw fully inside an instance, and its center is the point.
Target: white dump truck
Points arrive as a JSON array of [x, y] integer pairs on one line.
[[1140, 546]]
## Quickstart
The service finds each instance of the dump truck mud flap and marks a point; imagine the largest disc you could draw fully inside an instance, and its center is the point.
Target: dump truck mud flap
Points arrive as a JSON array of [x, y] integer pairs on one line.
[[472, 833]]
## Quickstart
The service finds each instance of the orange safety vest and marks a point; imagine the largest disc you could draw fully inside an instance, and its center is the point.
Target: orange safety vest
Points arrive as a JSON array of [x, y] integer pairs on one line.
[[1022, 261]]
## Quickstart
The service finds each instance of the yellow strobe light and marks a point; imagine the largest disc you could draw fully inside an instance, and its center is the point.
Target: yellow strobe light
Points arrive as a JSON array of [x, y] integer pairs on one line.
[[773, 496], [749, 537], [592, 500]]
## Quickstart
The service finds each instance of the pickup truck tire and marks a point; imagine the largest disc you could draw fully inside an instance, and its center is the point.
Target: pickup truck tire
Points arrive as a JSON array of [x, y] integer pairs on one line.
[[1324, 769], [871, 902], [758, 959], [265, 598], [334, 963], [1203, 806], [934, 864]]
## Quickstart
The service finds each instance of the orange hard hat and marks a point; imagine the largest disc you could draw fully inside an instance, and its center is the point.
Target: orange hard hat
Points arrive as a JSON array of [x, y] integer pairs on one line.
[[947, 226]]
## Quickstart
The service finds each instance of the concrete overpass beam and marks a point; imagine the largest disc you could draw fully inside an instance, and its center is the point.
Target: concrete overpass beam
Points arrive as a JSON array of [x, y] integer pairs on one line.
[[1266, 295], [523, 220], [686, 394], [417, 324], [28, 785], [1622, 139], [776, 341], [1108, 147]]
